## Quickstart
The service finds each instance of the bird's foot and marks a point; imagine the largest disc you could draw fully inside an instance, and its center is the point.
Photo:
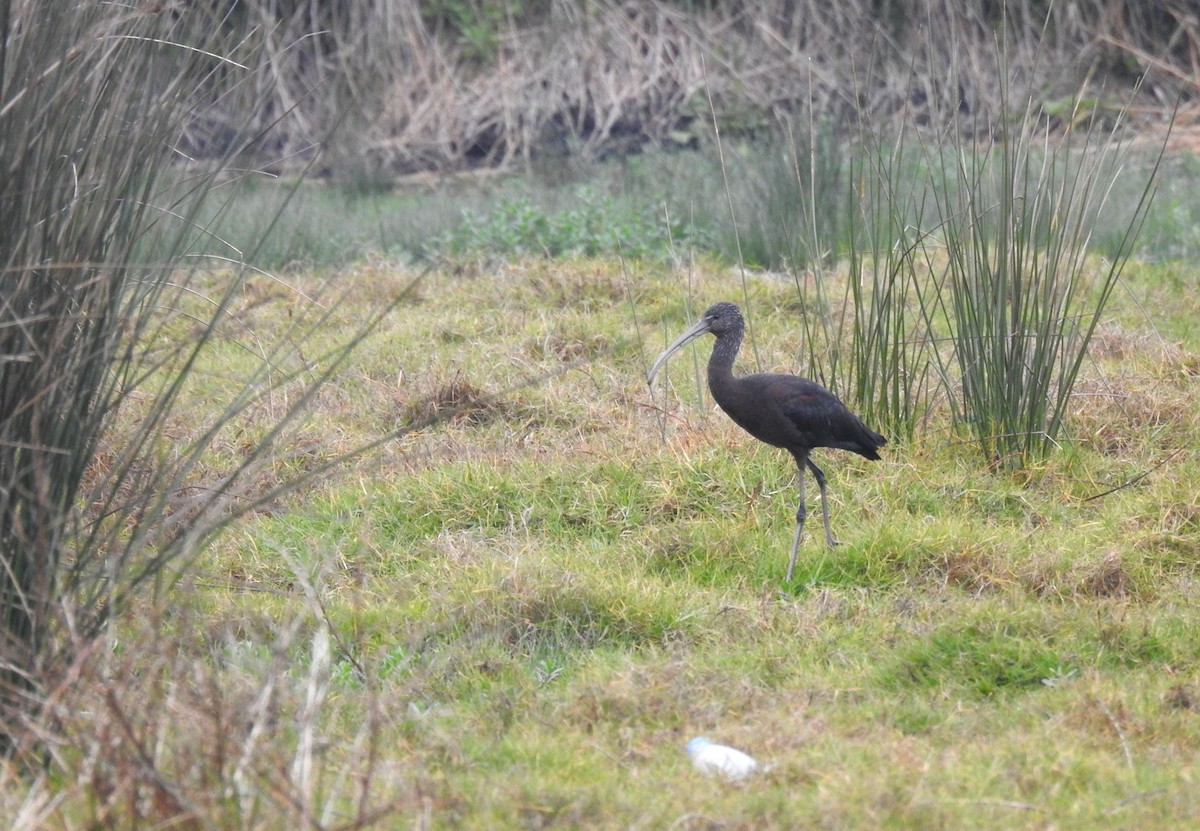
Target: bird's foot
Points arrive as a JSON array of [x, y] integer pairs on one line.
[[831, 542]]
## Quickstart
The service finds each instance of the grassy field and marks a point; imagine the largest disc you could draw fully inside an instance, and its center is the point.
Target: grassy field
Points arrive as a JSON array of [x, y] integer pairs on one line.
[[346, 504], [518, 616]]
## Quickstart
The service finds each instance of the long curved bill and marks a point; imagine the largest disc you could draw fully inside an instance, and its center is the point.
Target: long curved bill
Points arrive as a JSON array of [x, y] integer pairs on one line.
[[700, 328]]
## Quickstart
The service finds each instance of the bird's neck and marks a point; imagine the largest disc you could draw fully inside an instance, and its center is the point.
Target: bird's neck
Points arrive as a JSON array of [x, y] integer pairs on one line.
[[720, 364]]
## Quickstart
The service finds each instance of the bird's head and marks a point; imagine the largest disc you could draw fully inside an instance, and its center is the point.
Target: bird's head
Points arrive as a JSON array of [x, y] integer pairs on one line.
[[719, 319], [722, 317]]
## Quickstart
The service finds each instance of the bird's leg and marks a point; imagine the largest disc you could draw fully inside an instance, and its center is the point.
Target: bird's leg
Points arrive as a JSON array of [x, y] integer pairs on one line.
[[801, 514], [820, 477]]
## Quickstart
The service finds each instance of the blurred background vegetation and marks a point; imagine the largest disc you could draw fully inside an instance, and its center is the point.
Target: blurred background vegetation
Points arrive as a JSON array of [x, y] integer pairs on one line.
[[454, 85], [719, 122]]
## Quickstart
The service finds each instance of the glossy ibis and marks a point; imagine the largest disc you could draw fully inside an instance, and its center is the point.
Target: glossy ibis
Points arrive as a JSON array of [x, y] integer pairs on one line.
[[782, 410]]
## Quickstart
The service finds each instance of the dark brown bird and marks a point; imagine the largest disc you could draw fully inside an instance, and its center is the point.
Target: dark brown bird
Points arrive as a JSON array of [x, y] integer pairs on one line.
[[782, 410]]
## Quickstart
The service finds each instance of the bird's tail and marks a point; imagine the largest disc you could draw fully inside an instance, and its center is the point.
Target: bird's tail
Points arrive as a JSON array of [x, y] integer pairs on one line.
[[869, 443]]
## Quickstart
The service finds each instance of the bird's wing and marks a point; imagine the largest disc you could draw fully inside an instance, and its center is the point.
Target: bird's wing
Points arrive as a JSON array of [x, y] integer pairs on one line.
[[807, 404], [819, 416]]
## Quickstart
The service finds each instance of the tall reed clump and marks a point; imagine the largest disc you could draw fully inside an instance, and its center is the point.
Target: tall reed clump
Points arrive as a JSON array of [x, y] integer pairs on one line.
[[971, 273], [1023, 291], [92, 233], [873, 340], [892, 298]]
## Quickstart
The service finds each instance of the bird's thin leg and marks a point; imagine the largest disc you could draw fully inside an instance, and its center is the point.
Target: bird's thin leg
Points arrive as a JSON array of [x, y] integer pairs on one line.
[[820, 477], [801, 514]]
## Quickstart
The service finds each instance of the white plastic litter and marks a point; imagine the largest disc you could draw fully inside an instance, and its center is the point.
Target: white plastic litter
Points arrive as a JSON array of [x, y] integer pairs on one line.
[[719, 760]]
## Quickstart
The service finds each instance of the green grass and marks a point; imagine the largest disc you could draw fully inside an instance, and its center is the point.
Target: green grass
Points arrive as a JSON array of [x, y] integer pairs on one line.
[[533, 611]]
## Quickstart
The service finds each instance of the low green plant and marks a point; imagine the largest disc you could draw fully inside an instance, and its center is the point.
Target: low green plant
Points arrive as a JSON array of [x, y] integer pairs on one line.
[[593, 224], [477, 24]]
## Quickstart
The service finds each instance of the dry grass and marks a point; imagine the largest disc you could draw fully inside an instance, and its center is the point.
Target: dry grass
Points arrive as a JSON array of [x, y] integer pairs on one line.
[[180, 738], [455, 400]]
